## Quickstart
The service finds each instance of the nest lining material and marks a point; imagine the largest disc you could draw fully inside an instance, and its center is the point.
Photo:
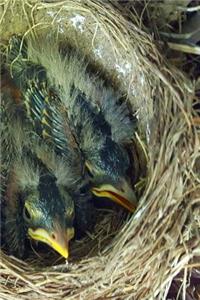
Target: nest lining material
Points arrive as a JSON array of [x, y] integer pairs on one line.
[[137, 259]]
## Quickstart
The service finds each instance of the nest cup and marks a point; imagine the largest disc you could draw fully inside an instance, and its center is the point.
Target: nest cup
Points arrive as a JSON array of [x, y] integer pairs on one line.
[[135, 258]]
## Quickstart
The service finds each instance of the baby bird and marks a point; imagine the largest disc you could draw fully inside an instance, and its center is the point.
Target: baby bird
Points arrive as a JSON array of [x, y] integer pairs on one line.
[[106, 160], [53, 84], [36, 201]]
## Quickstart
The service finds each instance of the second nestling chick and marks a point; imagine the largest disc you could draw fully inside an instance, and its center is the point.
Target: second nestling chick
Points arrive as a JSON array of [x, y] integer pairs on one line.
[[99, 121], [106, 160]]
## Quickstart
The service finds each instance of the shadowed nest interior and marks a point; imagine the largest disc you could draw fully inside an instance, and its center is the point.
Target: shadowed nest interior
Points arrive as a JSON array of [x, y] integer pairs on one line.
[[137, 257]]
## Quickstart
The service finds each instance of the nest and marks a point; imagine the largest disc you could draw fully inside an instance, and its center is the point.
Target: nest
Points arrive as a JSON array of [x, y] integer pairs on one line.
[[137, 258]]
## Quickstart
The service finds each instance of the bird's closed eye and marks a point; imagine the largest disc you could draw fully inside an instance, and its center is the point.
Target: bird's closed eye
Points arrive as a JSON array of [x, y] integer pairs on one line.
[[84, 189], [26, 214]]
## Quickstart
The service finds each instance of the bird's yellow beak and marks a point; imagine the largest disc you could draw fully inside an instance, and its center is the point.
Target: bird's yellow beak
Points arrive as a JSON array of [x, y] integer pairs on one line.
[[123, 195], [58, 239]]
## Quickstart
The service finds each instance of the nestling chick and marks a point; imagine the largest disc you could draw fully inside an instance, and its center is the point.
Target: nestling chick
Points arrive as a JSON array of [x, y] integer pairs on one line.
[[35, 201], [50, 122], [34, 206], [100, 123]]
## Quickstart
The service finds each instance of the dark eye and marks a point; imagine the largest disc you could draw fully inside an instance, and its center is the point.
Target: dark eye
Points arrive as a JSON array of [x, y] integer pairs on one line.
[[26, 214], [84, 190]]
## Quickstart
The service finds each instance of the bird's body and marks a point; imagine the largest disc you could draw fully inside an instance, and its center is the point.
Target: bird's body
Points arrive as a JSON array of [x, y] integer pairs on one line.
[[38, 188], [72, 133], [56, 84]]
